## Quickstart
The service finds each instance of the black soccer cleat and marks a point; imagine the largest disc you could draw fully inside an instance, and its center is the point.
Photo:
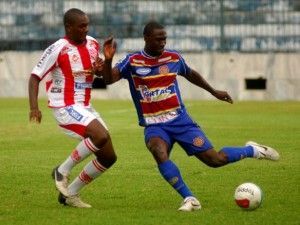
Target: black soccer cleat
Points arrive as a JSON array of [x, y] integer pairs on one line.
[[61, 181], [62, 199]]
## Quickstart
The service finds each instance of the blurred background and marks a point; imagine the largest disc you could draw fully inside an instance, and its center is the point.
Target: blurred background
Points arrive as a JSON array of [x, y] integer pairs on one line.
[[248, 47]]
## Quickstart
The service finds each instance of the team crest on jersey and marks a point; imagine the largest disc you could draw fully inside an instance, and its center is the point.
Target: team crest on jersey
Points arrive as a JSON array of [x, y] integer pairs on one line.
[[198, 141], [164, 69], [75, 58]]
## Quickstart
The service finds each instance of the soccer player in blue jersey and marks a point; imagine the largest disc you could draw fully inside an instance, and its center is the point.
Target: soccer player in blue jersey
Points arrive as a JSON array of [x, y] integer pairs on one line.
[[151, 74]]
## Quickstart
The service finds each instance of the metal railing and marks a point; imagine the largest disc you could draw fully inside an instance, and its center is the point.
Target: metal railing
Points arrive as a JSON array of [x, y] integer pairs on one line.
[[192, 25]]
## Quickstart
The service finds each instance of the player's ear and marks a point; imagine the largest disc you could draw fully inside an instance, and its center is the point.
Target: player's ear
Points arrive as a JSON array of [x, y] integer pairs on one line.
[[146, 38], [67, 27]]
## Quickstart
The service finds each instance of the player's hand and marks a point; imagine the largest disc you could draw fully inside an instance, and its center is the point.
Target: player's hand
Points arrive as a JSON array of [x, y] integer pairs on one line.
[[109, 48], [35, 116], [98, 65], [223, 96]]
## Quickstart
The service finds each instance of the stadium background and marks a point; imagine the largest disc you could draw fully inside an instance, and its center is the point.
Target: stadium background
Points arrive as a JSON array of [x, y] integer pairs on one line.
[[248, 47]]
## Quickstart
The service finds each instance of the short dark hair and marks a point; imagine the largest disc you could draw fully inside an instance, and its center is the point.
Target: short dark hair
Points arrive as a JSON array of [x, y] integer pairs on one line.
[[150, 26], [69, 15]]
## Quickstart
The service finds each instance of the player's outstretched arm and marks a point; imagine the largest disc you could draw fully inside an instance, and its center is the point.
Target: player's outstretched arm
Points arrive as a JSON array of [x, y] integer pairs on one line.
[[195, 78], [35, 115], [110, 75]]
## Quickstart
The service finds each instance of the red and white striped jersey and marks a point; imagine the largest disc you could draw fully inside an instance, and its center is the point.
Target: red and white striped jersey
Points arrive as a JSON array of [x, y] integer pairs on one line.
[[68, 68]]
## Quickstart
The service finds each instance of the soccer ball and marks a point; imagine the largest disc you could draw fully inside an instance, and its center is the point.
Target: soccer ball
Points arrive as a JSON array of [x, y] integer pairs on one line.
[[248, 196]]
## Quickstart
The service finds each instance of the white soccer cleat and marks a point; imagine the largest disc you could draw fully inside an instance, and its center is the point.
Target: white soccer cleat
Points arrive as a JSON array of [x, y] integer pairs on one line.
[[264, 152], [73, 201], [190, 204], [61, 181]]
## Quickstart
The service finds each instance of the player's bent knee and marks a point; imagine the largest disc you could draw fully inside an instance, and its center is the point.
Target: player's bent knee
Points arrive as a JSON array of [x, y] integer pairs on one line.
[[216, 162], [159, 153], [158, 149], [100, 139], [107, 161], [213, 159]]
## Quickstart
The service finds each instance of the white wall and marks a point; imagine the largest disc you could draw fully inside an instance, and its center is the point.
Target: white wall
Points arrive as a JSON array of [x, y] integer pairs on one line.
[[223, 71]]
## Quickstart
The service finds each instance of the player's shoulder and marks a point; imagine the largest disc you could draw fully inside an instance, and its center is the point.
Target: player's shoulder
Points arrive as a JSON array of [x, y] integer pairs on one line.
[[172, 52], [132, 55], [92, 42], [127, 59], [90, 38], [60, 43]]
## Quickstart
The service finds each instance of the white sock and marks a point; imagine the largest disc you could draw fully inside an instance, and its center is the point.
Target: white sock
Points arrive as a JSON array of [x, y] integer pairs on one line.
[[82, 150], [255, 152], [91, 171]]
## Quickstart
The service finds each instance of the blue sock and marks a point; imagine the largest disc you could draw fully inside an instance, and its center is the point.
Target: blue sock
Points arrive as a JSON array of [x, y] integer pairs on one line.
[[172, 175], [237, 153]]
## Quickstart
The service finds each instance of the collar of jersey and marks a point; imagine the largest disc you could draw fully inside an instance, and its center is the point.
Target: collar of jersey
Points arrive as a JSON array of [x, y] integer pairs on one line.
[[151, 57], [73, 43]]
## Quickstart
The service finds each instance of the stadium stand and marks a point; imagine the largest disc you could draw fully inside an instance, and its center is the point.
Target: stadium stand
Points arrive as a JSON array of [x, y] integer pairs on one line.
[[204, 25], [229, 41]]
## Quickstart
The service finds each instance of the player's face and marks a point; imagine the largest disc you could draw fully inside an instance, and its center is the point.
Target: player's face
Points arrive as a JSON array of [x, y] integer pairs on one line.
[[78, 30], [155, 43]]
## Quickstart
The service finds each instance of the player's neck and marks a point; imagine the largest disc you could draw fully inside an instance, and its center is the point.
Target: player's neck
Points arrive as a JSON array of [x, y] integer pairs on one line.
[[151, 54], [75, 42]]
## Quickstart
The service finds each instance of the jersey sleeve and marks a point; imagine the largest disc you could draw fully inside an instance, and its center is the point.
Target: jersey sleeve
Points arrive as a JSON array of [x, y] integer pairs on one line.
[[184, 69], [48, 60], [124, 67], [96, 45]]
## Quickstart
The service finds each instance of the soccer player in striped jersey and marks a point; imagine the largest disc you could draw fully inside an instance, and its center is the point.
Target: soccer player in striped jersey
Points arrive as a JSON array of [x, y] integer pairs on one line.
[[69, 66], [151, 74]]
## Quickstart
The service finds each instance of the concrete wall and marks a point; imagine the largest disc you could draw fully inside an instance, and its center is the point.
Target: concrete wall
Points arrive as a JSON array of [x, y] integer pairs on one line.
[[223, 71]]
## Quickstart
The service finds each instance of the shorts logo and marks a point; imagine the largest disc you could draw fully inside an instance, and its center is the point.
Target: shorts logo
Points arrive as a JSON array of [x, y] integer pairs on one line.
[[76, 115], [198, 141]]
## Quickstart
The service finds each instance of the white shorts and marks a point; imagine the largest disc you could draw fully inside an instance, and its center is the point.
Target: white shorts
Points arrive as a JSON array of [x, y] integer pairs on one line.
[[75, 118]]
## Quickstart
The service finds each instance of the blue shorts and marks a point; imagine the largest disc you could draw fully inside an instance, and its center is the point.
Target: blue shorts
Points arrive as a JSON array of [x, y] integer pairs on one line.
[[182, 130]]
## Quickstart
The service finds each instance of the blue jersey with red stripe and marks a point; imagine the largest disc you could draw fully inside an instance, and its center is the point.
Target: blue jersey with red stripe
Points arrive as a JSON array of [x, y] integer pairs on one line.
[[153, 85]]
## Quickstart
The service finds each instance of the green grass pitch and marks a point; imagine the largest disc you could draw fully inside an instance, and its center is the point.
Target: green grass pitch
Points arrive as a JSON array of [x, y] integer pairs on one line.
[[132, 192]]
